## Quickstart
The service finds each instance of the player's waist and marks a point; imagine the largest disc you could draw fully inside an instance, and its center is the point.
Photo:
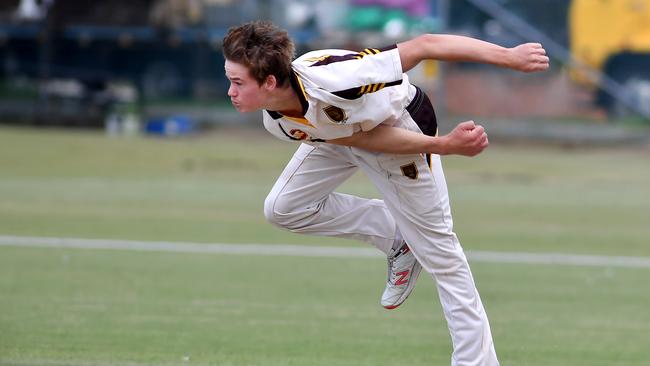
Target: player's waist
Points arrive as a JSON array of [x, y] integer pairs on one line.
[[422, 112]]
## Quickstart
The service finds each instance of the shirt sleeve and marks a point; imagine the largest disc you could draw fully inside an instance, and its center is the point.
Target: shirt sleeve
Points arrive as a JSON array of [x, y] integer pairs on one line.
[[348, 73]]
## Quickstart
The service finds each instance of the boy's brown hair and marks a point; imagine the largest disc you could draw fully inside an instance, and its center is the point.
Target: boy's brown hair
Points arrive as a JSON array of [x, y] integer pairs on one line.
[[263, 48]]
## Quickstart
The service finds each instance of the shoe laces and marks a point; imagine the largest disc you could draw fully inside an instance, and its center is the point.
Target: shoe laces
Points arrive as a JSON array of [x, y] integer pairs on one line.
[[392, 275]]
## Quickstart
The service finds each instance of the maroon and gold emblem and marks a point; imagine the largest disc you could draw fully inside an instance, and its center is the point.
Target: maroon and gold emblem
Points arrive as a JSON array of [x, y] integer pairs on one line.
[[410, 170], [335, 114], [298, 134]]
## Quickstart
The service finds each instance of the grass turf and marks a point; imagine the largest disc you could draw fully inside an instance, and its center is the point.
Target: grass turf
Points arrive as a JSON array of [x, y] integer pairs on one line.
[[111, 308], [79, 307], [212, 188]]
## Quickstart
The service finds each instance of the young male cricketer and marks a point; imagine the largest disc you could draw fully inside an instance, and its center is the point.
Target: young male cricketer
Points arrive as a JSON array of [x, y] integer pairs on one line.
[[354, 110]]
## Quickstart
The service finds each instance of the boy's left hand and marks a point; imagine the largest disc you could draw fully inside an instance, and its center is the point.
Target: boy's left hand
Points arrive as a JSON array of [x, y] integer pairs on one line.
[[529, 57]]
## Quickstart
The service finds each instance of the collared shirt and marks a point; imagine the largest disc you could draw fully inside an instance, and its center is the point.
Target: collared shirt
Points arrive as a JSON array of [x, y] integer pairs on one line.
[[343, 92]]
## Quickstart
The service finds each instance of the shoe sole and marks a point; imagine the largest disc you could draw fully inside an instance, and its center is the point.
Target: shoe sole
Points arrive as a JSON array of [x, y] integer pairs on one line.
[[414, 277]]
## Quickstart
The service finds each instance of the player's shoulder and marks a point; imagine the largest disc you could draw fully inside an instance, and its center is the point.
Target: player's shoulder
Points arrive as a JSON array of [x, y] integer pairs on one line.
[[312, 57]]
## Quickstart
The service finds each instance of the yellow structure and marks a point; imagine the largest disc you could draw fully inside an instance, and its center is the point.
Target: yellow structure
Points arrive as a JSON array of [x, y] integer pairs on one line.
[[612, 36], [601, 29]]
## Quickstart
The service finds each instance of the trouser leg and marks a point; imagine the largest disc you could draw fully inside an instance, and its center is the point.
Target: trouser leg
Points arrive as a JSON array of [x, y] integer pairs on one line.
[[420, 207], [303, 199]]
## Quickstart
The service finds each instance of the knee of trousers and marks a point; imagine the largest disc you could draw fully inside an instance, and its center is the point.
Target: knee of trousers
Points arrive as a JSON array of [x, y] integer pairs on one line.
[[279, 211], [443, 255]]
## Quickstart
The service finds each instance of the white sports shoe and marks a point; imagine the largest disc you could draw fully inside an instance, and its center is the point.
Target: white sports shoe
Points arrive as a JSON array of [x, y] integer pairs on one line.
[[403, 272]]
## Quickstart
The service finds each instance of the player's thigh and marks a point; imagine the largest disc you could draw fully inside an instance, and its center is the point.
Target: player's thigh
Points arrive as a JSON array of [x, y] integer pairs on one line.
[[413, 185], [412, 188], [310, 176], [417, 200]]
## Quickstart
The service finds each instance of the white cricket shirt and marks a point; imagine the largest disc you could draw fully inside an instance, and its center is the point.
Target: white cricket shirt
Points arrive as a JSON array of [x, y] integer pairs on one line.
[[343, 92]]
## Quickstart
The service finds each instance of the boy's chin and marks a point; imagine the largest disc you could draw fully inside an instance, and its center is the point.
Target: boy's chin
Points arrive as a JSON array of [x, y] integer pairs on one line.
[[243, 109]]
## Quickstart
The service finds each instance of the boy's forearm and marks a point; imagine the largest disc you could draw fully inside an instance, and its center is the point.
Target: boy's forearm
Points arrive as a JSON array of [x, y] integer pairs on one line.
[[446, 47], [393, 140], [467, 139], [527, 57], [459, 48]]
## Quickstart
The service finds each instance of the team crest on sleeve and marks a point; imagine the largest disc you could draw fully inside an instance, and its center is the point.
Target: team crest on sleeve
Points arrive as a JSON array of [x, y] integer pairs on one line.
[[298, 134], [335, 114]]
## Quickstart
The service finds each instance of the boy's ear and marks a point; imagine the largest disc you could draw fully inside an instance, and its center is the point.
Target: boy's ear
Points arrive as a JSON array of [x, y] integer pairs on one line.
[[271, 82]]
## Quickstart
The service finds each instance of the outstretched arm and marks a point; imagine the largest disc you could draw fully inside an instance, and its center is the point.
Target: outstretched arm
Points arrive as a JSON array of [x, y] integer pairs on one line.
[[466, 139], [527, 57]]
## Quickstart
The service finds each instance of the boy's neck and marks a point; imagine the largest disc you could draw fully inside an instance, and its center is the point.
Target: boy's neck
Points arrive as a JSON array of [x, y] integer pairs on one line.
[[288, 103]]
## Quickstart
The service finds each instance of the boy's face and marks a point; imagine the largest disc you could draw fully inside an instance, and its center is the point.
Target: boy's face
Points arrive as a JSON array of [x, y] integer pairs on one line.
[[244, 91]]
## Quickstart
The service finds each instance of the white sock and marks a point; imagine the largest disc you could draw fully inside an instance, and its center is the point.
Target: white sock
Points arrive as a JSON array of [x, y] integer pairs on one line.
[[398, 239]]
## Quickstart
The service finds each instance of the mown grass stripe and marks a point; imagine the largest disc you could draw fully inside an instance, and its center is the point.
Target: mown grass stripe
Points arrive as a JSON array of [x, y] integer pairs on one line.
[[314, 251]]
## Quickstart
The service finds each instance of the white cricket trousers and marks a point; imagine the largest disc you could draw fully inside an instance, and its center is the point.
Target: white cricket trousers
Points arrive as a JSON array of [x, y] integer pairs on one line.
[[303, 201]]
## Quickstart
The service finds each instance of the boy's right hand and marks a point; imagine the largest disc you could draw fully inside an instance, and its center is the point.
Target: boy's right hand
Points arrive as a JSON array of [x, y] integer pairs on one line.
[[468, 139]]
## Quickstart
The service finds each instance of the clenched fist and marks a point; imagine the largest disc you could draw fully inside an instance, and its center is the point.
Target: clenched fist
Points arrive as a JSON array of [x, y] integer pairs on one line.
[[528, 57], [467, 139]]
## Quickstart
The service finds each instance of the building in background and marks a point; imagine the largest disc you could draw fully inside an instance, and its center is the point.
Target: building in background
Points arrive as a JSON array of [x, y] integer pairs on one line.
[[613, 38], [70, 61]]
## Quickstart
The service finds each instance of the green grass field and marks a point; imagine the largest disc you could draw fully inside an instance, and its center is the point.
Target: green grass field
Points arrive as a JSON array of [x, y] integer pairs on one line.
[[117, 307]]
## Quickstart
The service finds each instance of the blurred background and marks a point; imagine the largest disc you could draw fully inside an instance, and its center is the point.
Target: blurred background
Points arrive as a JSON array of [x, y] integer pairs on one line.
[[123, 166], [130, 66]]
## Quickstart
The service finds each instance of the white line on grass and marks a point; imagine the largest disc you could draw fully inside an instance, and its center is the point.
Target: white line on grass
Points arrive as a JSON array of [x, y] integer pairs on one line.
[[314, 251]]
